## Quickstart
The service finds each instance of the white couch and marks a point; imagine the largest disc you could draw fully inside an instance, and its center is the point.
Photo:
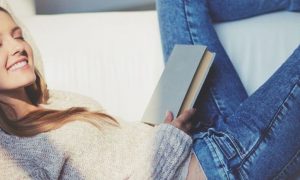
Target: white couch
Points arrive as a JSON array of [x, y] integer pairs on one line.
[[116, 57]]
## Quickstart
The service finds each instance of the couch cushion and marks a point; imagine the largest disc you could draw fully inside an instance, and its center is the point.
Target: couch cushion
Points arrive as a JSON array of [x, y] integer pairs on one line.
[[257, 46]]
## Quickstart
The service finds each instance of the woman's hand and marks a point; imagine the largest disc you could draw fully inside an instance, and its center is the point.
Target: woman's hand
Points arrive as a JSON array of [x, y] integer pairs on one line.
[[183, 121]]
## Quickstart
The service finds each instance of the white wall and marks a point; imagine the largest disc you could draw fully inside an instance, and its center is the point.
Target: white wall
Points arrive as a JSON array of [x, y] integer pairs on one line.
[[69, 6]]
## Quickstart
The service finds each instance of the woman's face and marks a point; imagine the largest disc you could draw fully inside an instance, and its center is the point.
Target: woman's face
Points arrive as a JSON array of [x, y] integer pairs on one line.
[[16, 57]]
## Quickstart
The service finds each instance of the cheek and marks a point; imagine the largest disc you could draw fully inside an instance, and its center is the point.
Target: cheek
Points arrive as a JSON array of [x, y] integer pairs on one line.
[[3, 59], [29, 51]]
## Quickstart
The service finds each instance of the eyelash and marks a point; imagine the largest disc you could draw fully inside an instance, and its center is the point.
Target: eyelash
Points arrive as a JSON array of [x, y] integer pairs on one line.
[[21, 38]]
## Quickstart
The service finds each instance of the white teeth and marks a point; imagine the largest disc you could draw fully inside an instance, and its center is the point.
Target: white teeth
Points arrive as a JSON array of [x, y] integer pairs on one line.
[[18, 65]]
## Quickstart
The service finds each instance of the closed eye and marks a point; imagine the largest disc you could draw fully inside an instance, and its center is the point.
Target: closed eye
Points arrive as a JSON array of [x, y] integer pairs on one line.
[[20, 37]]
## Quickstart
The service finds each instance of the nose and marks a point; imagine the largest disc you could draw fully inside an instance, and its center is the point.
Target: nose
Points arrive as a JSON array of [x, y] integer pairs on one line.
[[15, 47]]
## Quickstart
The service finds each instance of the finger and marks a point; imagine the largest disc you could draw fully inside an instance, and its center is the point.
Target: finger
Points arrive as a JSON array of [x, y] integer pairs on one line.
[[169, 117], [188, 126], [186, 115]]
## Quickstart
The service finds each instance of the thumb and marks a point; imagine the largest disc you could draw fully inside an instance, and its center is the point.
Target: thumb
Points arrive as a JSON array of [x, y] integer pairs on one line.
[[169, 117]]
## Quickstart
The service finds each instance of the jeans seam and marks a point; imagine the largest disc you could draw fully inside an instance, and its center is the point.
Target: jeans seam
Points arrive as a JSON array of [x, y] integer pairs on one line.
[[275, 118], [186, 14], [215, 151], [236, 145], [228, 155], [242, 174], [215, 102], [288, 164], [224, 112], [233, 144], [214, 95]]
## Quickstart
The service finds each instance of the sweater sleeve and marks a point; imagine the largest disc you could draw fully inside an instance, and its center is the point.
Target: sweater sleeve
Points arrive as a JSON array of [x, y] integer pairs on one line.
[[171, 148]]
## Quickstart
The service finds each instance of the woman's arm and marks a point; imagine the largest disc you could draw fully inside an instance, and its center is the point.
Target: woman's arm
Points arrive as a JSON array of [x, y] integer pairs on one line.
[[195, 172], [171, 149], [166, 153]]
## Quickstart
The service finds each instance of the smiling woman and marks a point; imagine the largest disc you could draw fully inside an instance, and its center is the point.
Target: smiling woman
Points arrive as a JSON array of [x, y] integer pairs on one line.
[[23, 90], [60, 144], [238, 138]]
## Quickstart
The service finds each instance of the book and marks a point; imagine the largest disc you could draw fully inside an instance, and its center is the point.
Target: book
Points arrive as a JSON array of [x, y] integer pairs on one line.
[[180, 82]]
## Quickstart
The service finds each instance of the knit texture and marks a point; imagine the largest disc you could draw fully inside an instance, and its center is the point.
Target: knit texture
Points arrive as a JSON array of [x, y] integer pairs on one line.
[[79, 150]]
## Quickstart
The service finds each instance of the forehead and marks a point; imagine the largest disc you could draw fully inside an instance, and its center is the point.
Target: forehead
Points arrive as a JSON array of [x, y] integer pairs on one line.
[[6, 22]]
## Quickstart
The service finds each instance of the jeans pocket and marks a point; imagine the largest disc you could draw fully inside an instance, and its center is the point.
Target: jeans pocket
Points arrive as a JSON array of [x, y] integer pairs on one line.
[[227, 144]]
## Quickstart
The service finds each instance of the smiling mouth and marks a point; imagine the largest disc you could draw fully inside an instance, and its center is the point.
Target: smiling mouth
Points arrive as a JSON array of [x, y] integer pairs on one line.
[[19, 65]]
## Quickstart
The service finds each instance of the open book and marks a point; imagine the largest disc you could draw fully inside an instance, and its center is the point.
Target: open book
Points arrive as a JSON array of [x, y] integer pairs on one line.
[[180, 82]]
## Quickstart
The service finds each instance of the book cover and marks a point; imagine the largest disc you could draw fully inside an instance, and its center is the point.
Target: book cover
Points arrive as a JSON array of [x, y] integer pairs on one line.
[[180, 82]]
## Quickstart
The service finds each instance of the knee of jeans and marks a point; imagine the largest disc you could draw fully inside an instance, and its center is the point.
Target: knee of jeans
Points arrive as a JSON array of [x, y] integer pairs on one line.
[[294, 5]]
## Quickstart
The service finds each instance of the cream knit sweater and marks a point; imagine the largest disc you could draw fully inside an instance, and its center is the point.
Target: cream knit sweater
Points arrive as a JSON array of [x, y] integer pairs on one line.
[[79, 150]]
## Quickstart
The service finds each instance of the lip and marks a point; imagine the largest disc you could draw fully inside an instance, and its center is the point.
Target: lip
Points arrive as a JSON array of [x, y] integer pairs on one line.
[[16, 61]]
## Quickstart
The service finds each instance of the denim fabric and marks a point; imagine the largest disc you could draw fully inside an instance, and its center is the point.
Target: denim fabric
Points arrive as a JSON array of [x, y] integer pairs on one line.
[[239, 137], [261, 139]]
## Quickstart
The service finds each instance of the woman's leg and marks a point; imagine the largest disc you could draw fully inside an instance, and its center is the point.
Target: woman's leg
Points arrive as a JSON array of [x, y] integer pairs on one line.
[[190, 22], [228, 10], [183, 22], [261, 140]]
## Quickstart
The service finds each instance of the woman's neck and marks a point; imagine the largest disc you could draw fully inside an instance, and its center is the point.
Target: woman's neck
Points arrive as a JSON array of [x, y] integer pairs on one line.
[[19, 101]]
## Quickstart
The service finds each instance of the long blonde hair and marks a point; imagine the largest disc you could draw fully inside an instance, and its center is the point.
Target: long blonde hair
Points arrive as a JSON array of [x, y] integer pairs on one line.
[[44, 120]]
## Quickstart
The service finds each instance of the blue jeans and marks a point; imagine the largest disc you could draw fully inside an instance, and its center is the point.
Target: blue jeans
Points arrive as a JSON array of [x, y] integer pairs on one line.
[[239, 137]]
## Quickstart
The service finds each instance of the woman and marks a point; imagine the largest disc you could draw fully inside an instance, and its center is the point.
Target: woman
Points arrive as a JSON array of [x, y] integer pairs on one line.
[[41, 143], [241, 137], [81, 151]]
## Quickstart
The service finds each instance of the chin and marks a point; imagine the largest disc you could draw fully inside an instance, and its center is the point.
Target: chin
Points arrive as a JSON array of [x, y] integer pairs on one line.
[[29, 80], [17, 80], [24, 81], [26, 78]]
